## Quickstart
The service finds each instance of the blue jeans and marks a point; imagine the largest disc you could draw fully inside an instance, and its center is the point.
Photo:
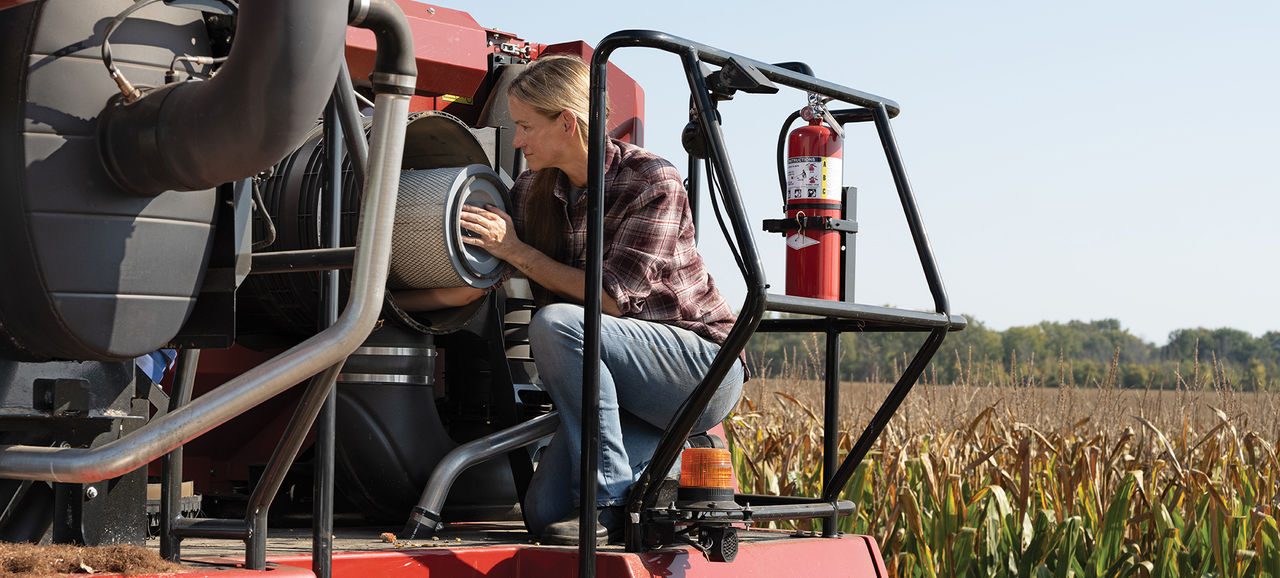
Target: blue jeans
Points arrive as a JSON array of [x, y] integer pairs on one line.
[[647, 371]]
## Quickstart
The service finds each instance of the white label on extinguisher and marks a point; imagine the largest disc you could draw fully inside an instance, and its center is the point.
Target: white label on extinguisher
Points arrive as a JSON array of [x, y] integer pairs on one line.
[[800, 240], [814, 177]]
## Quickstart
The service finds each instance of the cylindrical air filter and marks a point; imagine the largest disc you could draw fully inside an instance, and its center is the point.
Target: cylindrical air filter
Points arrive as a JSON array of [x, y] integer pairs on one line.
[[439, 154], [427, 249]]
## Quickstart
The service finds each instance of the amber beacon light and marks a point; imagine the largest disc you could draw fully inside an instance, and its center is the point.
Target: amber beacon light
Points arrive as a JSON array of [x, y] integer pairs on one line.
[[706, 477]]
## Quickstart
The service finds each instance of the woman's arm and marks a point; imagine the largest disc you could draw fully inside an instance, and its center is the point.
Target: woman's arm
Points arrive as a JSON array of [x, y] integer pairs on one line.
[[496, 234], [563, 280], [431, 299]]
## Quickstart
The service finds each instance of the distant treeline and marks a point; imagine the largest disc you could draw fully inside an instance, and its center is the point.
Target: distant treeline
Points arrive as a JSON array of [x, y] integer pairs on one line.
[[1093, 353]]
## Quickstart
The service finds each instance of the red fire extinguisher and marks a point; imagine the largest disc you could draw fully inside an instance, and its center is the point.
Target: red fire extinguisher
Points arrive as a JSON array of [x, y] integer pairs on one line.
[[815, 171]]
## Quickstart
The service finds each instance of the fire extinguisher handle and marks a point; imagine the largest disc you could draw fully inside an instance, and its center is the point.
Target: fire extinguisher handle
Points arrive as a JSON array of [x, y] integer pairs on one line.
[[833, 123]]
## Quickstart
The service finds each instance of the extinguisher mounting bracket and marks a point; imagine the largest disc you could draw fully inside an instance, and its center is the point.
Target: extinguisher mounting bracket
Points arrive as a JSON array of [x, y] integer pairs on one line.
[[789, 225]]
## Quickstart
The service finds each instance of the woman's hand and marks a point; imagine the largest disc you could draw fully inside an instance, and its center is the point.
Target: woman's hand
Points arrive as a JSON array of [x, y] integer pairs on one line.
[[490, 229]]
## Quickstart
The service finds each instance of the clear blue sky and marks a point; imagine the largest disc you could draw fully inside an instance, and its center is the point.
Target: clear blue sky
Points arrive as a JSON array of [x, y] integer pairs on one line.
[[1072, 160]]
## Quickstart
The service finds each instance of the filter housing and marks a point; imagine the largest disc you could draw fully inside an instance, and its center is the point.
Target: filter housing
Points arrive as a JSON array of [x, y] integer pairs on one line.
[[91, 272]]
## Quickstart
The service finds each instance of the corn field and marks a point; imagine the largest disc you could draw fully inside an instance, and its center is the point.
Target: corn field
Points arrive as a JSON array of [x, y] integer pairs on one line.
[[1010, 480]]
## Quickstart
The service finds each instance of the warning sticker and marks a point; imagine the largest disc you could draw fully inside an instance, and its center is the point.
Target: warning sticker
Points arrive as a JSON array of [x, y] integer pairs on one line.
[[799, 241], [814, 177]]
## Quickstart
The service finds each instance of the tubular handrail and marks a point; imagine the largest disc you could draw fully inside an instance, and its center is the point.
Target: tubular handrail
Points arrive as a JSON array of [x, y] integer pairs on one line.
[[753, 307], [909, 208], [874, 108], [785, 76]]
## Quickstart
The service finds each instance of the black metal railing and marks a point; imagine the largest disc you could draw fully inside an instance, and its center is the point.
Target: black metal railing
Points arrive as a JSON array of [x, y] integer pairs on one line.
[[835, 316]]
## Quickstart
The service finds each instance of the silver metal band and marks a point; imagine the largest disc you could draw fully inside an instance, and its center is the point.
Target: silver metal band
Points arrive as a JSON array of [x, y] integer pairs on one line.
[[385, 378], [395, 351], [397, 80], [362, 12]]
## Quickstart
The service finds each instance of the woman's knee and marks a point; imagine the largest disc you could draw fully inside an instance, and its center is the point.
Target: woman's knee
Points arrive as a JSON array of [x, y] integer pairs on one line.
[[724, 400], [554, 325], [555, 340]]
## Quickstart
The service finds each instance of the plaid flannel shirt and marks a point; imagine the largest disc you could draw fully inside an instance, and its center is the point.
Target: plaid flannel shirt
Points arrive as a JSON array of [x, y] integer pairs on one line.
[[651, 262]]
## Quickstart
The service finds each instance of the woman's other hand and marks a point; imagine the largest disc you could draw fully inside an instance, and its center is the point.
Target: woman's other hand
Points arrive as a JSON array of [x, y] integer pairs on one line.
[[491, 229], [439, 298]]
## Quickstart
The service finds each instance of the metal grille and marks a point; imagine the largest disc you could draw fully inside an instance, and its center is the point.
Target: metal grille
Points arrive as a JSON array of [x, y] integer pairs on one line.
[[419, 253]]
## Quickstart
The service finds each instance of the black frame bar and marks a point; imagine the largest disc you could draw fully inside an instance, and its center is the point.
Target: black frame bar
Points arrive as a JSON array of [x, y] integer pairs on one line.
[[171, 467], [860, 317], [326, 421], [871, 317], [302, 261], [264, 492], [831, 421], [883, 414], [754, 513], [820, 325], [768, 500]]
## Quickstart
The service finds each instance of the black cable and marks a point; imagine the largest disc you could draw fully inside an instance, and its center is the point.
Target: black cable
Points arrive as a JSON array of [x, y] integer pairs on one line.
[[712, 175], [131, 92], [270, 237], [172, 74]]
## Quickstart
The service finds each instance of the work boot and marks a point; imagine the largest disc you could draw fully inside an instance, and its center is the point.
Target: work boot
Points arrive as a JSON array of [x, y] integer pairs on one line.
[[609, 528]]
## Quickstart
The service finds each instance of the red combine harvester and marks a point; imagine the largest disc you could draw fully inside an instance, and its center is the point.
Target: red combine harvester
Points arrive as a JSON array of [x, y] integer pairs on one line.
[[167, 187]]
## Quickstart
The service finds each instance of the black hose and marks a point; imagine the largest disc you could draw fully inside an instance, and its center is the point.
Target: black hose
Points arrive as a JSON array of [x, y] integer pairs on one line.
[[260, 106], [802, 68], [782, 167], [269, 237]]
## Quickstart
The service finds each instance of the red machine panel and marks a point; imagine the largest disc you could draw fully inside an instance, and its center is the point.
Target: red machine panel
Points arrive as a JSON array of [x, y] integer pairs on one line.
[[452, 49]]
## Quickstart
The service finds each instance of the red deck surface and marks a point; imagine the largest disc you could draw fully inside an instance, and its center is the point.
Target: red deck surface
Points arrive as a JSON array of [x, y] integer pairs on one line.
[[855, 556], [850, 556]]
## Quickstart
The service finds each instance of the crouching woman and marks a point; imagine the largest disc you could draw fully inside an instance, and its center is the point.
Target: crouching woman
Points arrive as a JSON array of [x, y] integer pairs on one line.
[[665, 320]]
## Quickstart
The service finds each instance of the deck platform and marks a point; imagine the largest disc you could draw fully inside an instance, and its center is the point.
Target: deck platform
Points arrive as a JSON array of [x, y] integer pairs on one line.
[[504, 550]]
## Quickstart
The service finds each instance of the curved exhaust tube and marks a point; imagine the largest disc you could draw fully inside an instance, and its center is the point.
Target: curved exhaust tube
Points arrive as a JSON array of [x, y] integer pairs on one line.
[[325, 349], [394, 69], [425, 519], [197, 135]]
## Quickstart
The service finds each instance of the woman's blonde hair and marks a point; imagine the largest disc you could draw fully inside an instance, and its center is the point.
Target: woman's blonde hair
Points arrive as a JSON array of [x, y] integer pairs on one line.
[[550, 86], [554, 84]]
